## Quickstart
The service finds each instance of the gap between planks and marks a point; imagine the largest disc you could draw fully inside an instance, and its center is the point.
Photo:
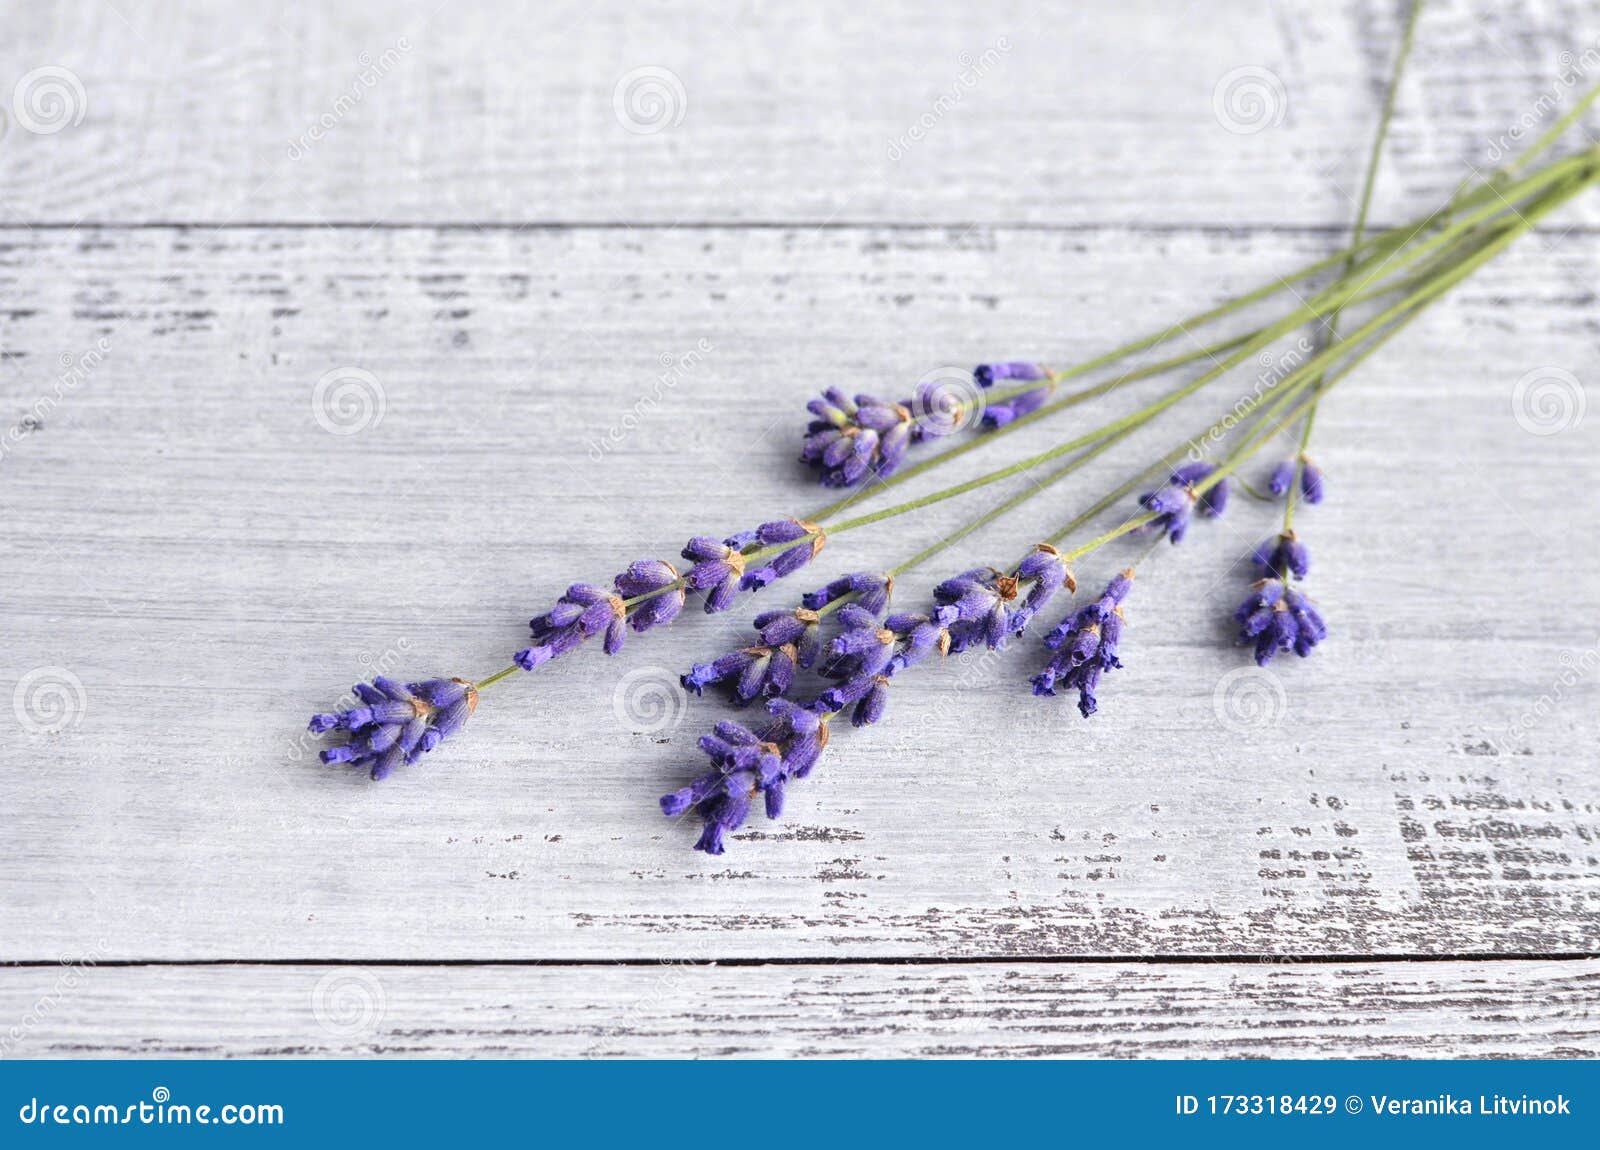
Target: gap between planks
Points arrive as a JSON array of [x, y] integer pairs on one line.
[[864, 961], [1157, 228]]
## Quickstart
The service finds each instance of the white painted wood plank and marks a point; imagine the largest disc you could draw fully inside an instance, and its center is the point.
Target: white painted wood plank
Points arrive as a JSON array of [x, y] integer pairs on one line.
[[1400, 1010], [1247, 114], [212, 565]]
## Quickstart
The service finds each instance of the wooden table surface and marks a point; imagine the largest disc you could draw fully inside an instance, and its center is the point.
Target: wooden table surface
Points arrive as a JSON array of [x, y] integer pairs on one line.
[[338, 339]]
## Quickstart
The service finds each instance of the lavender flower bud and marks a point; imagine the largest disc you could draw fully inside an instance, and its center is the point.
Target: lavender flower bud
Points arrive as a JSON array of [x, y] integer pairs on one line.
[[987, 373], [396, 723], [871, 589], [1283, 555], [850, 439], [1281, 478], [1013, 409], [745, 765], [1311, 486], [1084, 646]]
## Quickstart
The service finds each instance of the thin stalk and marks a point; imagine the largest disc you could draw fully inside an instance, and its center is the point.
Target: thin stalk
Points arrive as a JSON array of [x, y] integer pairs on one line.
[[1291, 385], [1396, 318], [1358, 233], [1335, 296]]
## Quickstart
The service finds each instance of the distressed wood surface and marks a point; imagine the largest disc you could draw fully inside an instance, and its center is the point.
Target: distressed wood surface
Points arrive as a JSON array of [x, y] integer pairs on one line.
[[213, 564], [1245, 114], [248, 459], [982, 1010]]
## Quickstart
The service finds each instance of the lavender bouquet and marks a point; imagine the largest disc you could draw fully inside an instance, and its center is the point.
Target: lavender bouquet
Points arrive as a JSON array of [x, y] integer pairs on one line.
[[839, 650]]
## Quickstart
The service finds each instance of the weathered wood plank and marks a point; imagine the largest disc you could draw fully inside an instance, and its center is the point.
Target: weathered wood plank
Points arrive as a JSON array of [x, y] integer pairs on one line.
[[1245, 114], [211, 564], [1398, 1010]]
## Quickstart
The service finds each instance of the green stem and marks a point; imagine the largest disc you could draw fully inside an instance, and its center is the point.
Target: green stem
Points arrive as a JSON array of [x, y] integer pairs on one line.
[[1395, 318], [1358, 233], [1332, 297], [1289, 387]]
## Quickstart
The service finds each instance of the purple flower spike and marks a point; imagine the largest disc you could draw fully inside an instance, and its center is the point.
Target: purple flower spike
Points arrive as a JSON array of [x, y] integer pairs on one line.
[[1311, 486], [753, 672], [745, 765], [394, 723], [990, 607], [1275, 617], [1013, 409], [850, 439], [811, 538], [872, 590], [987, 373], [1282, 478], [863, 648], [798, 626], [1085, 646], [581, 613], [1174, 504], [1044, 574], [657, 579], [1282, 556]]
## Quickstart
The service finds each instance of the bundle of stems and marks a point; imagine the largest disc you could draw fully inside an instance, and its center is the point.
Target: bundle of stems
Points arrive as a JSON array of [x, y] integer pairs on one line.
[[1383, 282]]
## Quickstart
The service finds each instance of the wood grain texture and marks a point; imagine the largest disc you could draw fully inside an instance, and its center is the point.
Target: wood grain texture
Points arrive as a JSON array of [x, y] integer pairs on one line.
[[987, 1010], [246, 459], [891, 112], [213, 564]]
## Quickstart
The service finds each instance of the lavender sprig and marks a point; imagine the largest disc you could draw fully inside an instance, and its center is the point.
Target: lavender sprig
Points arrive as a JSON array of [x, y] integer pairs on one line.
[[396, 723], [1085, 645]]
